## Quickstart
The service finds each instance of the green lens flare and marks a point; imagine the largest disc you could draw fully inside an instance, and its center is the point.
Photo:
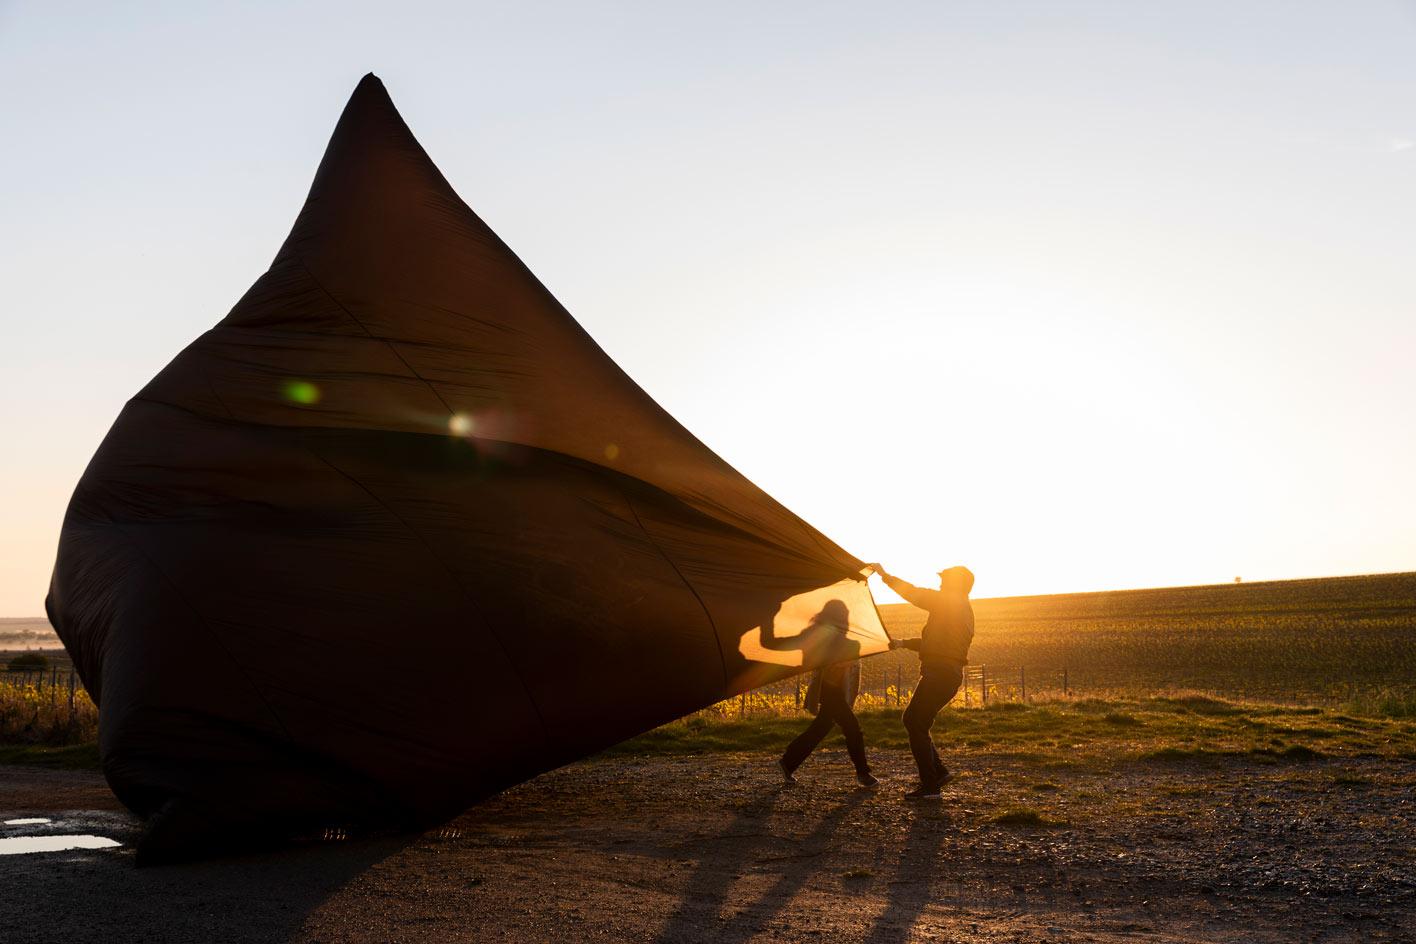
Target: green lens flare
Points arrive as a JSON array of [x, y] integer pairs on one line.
[[302, 392]]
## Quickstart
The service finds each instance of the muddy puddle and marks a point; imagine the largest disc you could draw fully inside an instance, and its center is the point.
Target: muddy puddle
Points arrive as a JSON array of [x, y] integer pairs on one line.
[[29, 835]]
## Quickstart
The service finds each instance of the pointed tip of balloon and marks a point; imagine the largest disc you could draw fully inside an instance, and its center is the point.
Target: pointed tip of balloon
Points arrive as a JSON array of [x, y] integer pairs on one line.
[[370, 93], [370, 84]]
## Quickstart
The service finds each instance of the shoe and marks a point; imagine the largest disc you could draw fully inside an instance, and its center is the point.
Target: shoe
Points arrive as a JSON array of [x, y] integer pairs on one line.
[[925, 791], [867, 780], [943, 776], [786, 772]]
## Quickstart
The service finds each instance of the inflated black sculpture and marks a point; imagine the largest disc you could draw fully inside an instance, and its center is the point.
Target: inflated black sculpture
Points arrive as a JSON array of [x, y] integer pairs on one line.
[[397, 534]]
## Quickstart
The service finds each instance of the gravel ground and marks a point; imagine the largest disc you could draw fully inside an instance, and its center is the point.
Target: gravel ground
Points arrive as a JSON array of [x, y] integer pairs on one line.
[[713, 849]]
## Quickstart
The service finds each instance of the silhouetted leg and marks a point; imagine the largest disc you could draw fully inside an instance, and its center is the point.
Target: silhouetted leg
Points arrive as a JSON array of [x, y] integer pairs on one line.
[[835, 706], [917, 722], [806, 741], [936, 689]]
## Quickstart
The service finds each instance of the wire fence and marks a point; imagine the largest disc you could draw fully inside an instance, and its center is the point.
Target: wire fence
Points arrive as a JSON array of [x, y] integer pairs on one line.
[[51, 706], [50, 680], [45, 706], [889, 686]]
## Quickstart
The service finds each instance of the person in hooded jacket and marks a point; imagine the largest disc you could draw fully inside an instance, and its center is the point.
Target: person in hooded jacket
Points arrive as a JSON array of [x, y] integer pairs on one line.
[[943, 650]]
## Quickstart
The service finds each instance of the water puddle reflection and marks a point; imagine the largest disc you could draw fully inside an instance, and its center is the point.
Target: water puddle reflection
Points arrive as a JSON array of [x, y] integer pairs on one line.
[[30, 821], [19, 845]]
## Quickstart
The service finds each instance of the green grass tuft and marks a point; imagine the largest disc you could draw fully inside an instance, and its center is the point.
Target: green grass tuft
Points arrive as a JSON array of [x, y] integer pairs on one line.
[[1200, 705], [1024, 816], [1346, 779], [1172, 754], [1386, 703], [73, 757]]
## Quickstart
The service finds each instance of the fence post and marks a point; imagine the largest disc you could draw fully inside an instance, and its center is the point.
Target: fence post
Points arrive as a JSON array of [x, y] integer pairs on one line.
[[1065, 689], [798, 692], [1023, 680], [71, 694], [966, 686], [742, 706], [899, 685], [983, 682]]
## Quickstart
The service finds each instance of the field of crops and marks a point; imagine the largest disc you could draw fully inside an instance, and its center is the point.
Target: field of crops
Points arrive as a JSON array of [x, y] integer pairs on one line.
[[1332, 638], [1340, 640]]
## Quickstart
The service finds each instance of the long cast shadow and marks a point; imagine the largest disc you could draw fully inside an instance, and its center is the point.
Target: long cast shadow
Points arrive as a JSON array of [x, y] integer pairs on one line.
[[707, 891], [909, 886]]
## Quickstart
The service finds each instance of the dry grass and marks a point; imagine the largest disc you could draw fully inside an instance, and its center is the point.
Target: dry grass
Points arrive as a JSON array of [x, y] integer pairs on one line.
[[1175, 728], [47, 715]]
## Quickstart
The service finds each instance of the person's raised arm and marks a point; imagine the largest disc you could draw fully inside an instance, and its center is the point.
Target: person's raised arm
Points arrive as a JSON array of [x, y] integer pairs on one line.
[[769, 638], [907, 591]]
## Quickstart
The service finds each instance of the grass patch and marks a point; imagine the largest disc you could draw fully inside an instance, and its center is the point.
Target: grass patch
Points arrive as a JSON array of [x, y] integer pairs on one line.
[[73, 757], [1176, 755], [1024, 816], [1295, 752], [767, 735], [1120, 718], [1346, 779], [1199, 704], [1179, 728], [1187, 791], [1384, 704]]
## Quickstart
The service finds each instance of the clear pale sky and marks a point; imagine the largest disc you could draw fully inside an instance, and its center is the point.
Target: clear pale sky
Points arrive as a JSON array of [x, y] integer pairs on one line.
[[1084, 295]]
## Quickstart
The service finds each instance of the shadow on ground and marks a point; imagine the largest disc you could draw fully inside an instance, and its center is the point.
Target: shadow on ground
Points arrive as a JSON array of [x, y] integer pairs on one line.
[[714, 902], [100, 895]]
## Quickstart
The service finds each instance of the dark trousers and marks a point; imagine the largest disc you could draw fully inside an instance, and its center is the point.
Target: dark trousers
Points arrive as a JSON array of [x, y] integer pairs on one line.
[[835, 710], [937, 687]]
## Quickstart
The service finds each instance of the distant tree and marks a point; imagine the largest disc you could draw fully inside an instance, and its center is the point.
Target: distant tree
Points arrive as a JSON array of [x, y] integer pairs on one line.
[[1238, 579], [27, 661]]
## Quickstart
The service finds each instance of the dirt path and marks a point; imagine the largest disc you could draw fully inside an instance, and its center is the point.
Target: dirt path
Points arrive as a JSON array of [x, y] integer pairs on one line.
[[713, 849]]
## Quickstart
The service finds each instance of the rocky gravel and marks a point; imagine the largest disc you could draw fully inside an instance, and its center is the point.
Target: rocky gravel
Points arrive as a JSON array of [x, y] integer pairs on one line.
[[713, 848]]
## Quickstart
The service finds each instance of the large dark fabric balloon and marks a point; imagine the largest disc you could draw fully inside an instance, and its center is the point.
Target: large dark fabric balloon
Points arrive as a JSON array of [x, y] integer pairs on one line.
[[397, 534]]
